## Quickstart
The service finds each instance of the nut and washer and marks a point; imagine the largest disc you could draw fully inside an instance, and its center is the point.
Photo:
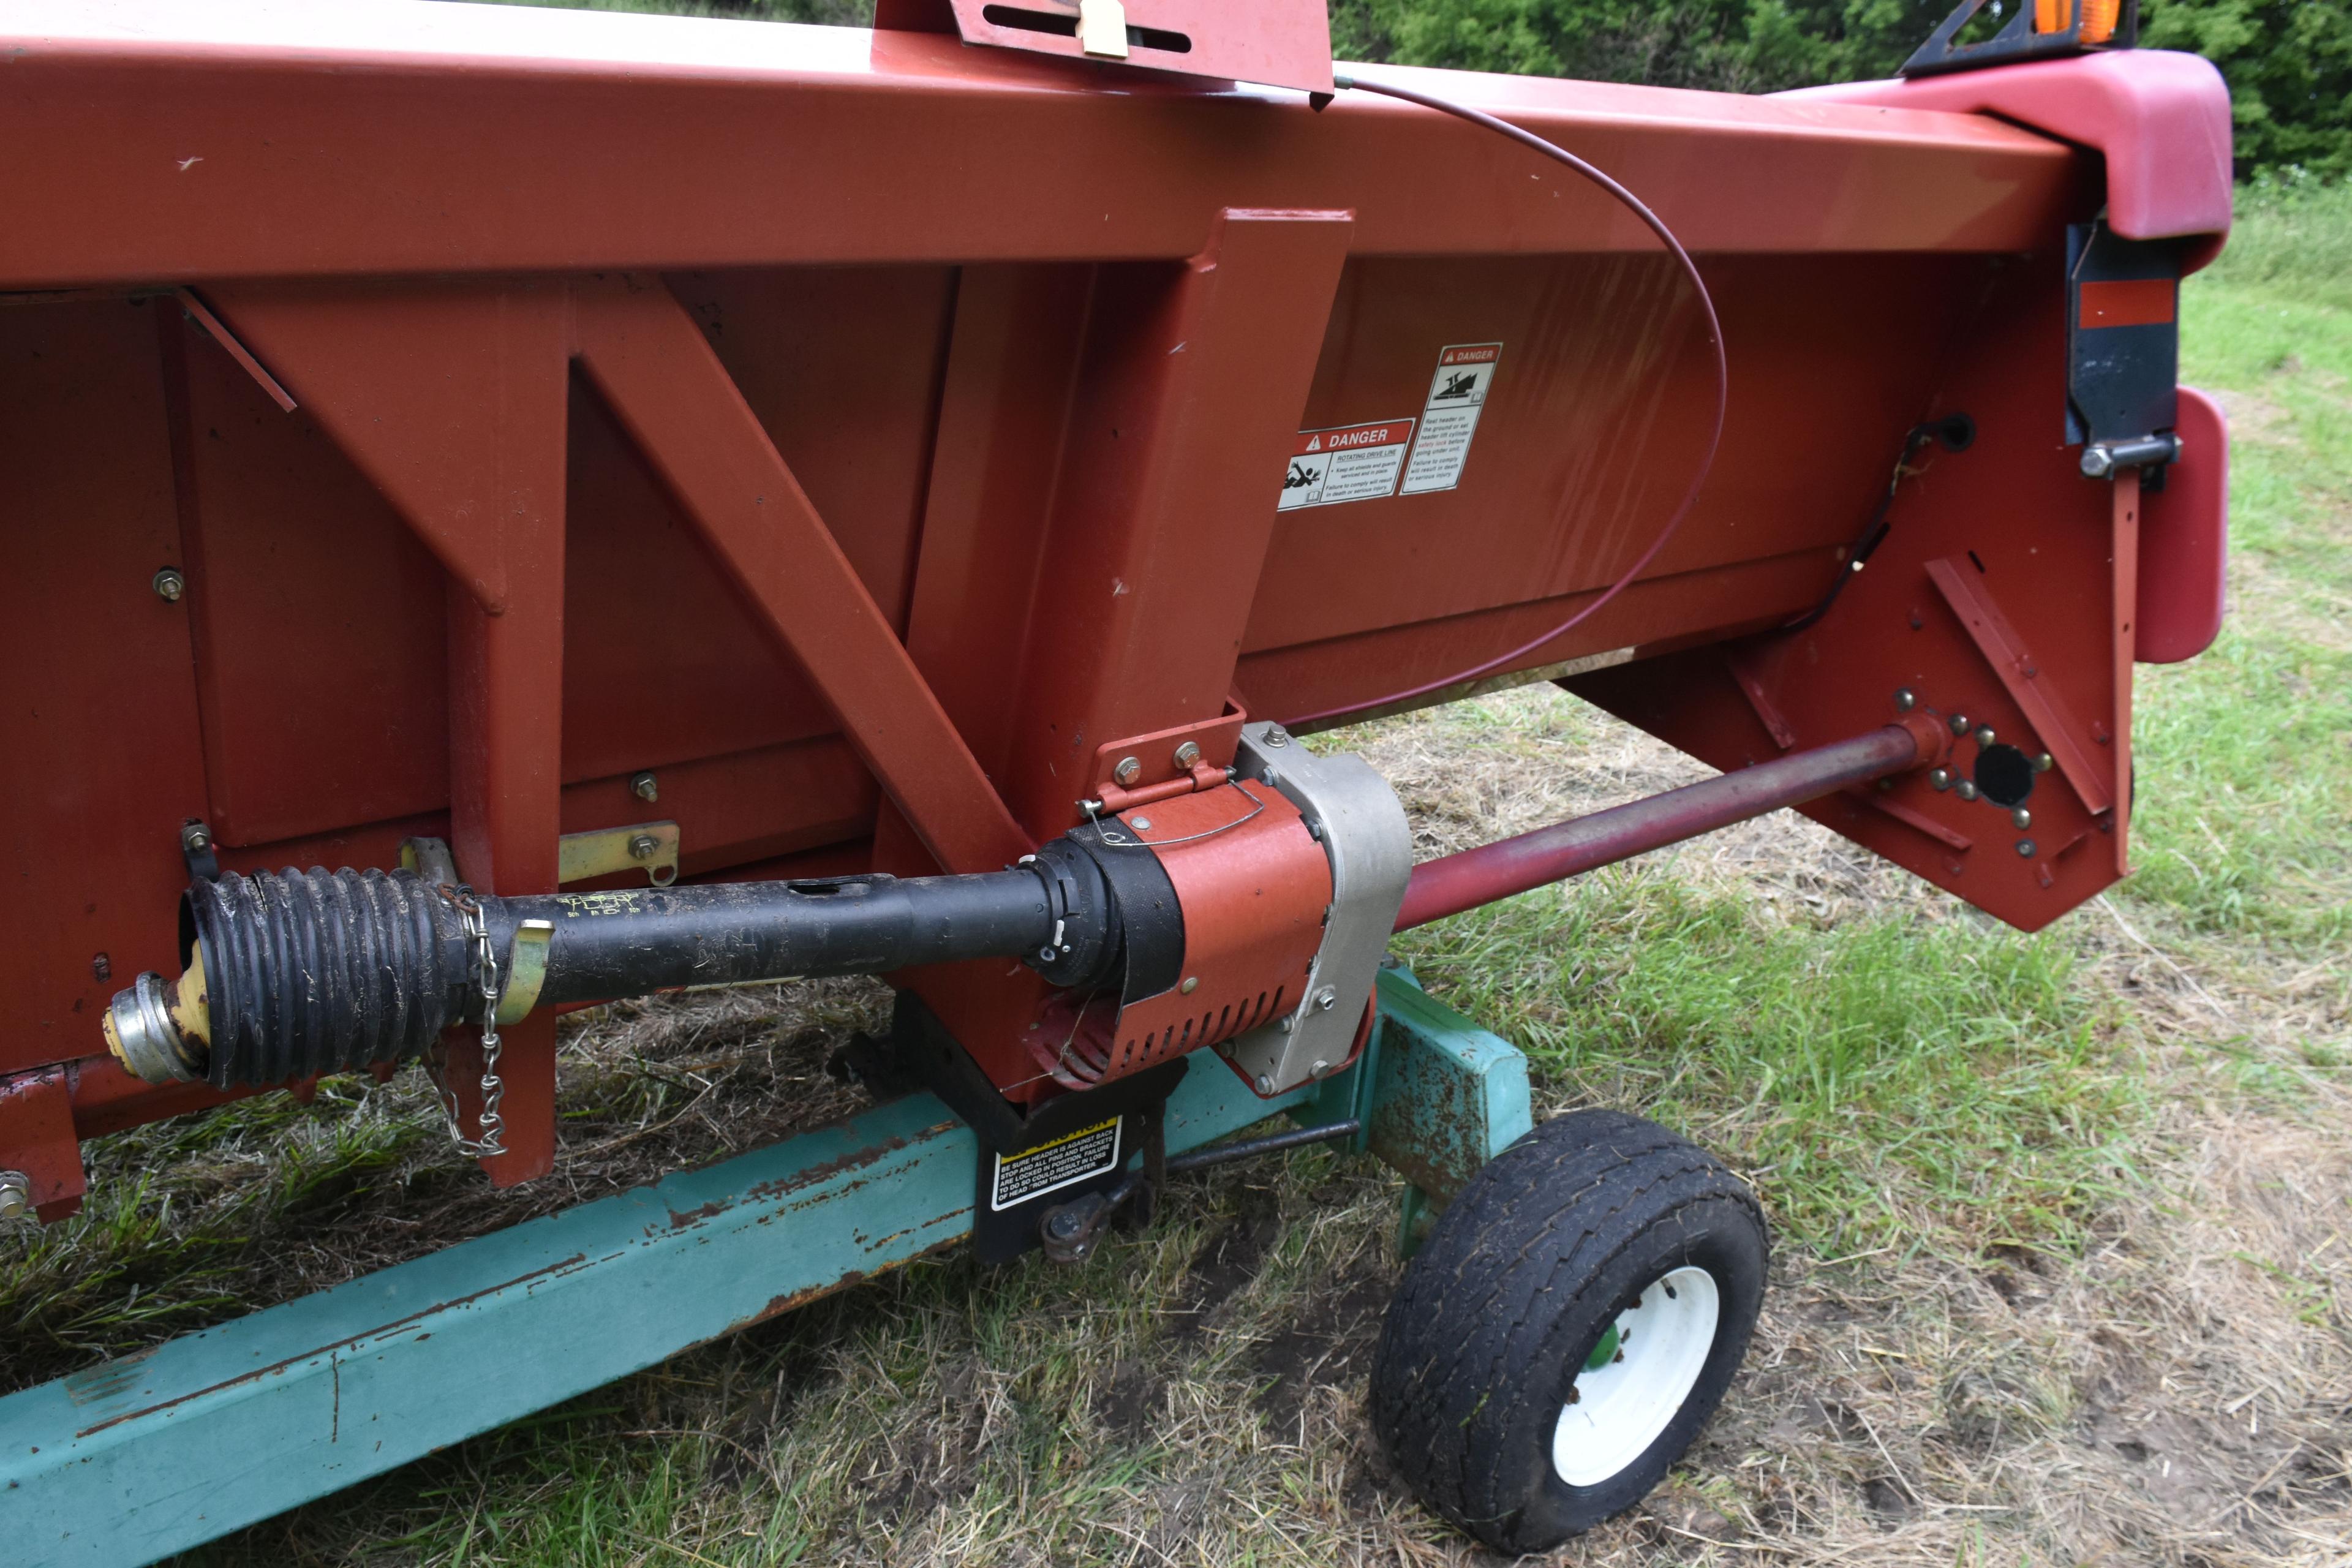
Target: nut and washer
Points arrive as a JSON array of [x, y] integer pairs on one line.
[[1187, 754], [1275, 735], [195, 839], [1326, 999], [2025, 848], [643, 845], [1905, 701], [169, 584], [15, 1194], [1129, 769], [644, 787]]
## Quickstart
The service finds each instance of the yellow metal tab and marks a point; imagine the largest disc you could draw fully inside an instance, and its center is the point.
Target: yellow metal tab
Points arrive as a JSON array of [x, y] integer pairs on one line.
[[526, 971], [1102, 29], [649, 847]]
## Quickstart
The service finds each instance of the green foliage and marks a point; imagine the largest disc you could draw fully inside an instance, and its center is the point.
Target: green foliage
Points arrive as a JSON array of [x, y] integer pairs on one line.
[[2289, 65]]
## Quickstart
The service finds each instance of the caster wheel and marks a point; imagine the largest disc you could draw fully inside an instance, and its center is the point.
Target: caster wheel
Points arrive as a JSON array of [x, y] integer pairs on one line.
[[1568, 1327]]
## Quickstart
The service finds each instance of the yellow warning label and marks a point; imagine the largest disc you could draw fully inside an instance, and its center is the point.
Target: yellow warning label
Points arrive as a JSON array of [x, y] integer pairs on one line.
[[1064, 1162]]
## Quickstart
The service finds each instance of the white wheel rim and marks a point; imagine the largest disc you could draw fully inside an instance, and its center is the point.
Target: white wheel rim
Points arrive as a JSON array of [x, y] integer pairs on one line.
[[1616, 1411]]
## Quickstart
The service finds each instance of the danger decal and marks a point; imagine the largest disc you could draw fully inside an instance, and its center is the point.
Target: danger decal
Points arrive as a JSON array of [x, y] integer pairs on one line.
[[1449, 419], [1069, 1159], [1354, 462]]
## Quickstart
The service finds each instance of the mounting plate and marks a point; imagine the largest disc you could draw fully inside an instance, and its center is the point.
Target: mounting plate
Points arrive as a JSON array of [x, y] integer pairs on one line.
[[1278, 43]]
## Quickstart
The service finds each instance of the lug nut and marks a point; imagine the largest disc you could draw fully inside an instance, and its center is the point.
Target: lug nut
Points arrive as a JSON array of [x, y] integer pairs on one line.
[[1129, 769], [1960, 723], [1187, 754], [15, 1194], [644, 787], [169, 584], [2021, 819], [1905, 701]]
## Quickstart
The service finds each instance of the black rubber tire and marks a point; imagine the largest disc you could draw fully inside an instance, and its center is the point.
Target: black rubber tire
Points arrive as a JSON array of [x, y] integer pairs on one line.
[[1519, 1279]]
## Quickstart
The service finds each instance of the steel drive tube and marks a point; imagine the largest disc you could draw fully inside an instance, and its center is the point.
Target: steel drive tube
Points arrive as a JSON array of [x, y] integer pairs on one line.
[[1452, 883]]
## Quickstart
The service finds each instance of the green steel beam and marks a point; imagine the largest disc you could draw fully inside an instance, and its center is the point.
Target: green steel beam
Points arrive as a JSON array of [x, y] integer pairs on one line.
[[145, 1455]]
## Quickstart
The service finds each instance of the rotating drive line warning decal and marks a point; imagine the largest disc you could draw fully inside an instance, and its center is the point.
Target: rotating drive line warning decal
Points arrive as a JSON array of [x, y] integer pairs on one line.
[[1457, 394], [1355, 462], [1064, 1162], [1371, 462]]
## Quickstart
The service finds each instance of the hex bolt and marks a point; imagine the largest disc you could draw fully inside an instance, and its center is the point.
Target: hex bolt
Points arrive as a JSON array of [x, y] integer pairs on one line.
[[1966, 790], [1129, 769], [1985, 736], [643, 845], [1265, 1084], [1326, 999], [1905, 701], [1960, 723], [195, 839], [1275, 735], [15, 1194], [1060, 1225], [2021, 819], [169, 584], [643, 785], [1191, 984], [2025, 848], [1939, 779], [1187, 754], [1285, 1023], [2044, 763], [1321, 1068]]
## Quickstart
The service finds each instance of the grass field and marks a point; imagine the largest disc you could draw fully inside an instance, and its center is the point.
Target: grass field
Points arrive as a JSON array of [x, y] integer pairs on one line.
[[2064, 1268]]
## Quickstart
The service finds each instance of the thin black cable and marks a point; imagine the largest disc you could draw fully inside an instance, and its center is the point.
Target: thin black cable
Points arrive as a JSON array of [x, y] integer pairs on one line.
[[1634, 205], [1955, 431]]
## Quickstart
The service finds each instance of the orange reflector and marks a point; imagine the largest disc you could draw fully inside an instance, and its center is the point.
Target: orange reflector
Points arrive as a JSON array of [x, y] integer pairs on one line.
[[2099, 19], [2052, 16], [2133, 302]]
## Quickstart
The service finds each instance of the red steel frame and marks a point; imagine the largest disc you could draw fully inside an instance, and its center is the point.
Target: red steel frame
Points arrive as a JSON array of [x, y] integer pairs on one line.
[[861, 431]]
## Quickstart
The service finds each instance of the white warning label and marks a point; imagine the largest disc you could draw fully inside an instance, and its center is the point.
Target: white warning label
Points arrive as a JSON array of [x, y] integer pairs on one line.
[[1354, 462], [1457, 393], [1073, 1157]]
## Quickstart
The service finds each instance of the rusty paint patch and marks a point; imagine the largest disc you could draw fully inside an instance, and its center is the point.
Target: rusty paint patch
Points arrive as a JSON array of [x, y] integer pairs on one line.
[[106, 1380], [678, 1221]]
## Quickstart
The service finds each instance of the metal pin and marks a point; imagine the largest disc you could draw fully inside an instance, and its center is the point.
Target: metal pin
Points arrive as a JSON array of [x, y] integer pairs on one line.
[[15, 1194]]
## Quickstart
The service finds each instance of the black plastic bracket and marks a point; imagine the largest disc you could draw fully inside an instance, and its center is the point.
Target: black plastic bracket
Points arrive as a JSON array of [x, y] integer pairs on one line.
[[2016, 41]]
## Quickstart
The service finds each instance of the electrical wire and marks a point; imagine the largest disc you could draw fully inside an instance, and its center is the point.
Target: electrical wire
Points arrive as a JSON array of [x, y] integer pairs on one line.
[[1634, 205]]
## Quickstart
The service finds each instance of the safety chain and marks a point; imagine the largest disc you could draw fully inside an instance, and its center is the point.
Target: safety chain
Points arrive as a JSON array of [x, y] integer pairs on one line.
[[494, 1089]]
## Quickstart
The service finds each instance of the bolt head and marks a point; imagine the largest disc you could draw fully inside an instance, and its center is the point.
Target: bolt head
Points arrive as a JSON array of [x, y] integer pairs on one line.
[[2020, 818], [1960, 723], [1283, 1024], [643, 845], [1128, 770], [1062, 1225], [644, 787], [2098, 464], [1985, 737], [15, 1194], [1143, 825], [2025, 848], [1321, 1068], [1964, 790], [1265, 1084], [1187, 754], [1326, 999], [1275, 735], [169, 584], [1191, 984], [1939, 779], [2044, 763], [1905, 701]]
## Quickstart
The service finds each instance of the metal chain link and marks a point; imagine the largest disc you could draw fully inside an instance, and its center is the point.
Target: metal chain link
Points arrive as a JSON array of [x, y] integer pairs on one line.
[[494, 1089]]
